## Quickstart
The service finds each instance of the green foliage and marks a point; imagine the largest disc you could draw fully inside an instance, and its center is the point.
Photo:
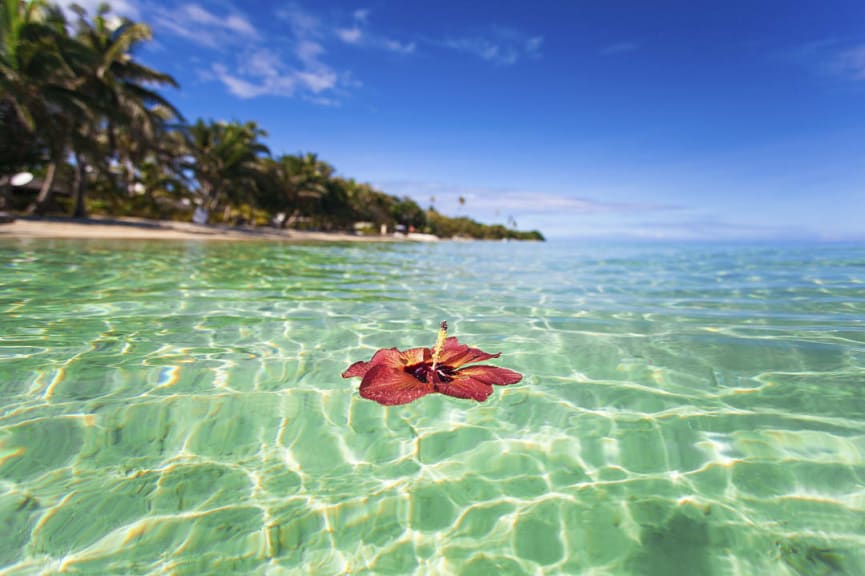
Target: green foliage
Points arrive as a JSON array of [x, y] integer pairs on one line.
[[462, 227], [224, 161], [78, 91], [18, 145], [407, 212]]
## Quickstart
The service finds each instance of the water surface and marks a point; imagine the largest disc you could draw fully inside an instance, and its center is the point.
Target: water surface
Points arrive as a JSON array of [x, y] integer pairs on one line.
[[178, 408]]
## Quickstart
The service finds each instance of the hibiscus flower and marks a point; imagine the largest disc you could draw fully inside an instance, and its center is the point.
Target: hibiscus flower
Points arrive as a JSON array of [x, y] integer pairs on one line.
[[397, 377]]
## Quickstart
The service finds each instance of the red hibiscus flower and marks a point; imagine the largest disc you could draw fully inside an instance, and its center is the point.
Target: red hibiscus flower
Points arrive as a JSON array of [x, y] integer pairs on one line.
[[398, 377]]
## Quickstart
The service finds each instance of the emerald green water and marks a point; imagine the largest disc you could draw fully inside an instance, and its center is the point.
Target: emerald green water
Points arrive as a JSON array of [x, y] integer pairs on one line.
[[177, 408]]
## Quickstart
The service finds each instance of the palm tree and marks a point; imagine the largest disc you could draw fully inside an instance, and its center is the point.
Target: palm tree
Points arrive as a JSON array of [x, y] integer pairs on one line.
[[35, 80], [300, 183], [125, 116], [307, 177], [19, 146], [369, 204], [224, 159], [30, 60]]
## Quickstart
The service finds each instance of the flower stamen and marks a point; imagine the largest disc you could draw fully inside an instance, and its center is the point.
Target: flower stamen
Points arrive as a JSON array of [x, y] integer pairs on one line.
[[440, 343]]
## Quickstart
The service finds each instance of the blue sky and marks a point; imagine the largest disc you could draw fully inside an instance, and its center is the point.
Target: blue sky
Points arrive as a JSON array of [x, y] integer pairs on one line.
[[734, 119]]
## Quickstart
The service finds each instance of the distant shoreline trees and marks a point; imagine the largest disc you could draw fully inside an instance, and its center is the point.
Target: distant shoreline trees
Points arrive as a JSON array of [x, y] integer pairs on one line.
[[80, 111]]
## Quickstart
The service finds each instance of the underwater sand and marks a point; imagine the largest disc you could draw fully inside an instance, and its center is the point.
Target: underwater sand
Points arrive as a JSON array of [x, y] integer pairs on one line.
[[177, 408]]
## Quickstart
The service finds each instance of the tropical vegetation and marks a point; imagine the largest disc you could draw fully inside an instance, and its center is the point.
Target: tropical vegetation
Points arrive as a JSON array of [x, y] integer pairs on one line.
[[78, 110]]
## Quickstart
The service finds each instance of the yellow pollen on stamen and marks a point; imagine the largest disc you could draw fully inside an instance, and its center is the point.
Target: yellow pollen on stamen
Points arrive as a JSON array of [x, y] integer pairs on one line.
[[440, 343]]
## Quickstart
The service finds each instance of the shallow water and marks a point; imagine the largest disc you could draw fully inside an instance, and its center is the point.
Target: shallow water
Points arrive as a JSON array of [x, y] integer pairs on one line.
[[178, 408]]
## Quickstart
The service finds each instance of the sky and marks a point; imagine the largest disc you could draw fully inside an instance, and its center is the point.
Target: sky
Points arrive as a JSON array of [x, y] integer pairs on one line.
[[738, 119]]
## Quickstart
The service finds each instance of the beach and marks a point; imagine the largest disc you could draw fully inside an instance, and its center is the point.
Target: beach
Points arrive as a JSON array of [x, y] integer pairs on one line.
[[144, 229]]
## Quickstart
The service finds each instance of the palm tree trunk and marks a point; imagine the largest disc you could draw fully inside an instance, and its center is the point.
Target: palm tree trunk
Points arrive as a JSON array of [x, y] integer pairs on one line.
[[45, 191], [289, 221], [80, 210], [6, 194], [212, 195], [129, 176]]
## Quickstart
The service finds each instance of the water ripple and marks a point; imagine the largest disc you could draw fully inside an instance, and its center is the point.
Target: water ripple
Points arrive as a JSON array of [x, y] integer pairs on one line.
[[177, 408]]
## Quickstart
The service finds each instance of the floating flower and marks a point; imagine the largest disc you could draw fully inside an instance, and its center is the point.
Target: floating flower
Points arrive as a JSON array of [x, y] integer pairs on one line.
[[398, 377]]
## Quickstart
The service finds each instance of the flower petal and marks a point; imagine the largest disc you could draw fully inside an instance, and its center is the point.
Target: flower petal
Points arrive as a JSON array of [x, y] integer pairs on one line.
[[386, 356], [391, 386], [455, 354], [466, 388], [476, 382], [415, 356], [358, 369], [490, 375]]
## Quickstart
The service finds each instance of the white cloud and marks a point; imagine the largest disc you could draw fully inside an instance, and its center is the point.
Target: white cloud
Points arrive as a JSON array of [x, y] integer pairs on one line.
[[127, 8], [262, 72], [203, 27], [485, 49], [240, 25], [688, 228], [619, 48], [503, 46], [584, 214], [491, 202], [250, 64], [528, 202], [358, 33], [555, 214], [303, 24], [351, 35], [851, 62], [308, 52], [829, 56], [395, 46], [243, 88], [318, 81], [293, 63]]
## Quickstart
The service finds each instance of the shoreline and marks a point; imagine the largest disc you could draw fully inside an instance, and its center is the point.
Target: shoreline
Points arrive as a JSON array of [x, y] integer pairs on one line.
[[143, 229]]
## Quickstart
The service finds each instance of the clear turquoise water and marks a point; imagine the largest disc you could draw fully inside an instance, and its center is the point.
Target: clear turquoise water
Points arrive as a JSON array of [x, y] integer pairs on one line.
[[178, 408]]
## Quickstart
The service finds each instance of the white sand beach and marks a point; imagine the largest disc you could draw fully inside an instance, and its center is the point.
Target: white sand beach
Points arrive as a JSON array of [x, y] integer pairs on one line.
[[143, 229]]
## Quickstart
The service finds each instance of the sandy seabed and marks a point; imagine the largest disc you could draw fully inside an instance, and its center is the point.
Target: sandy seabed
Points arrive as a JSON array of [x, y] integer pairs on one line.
[[143, 229]]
